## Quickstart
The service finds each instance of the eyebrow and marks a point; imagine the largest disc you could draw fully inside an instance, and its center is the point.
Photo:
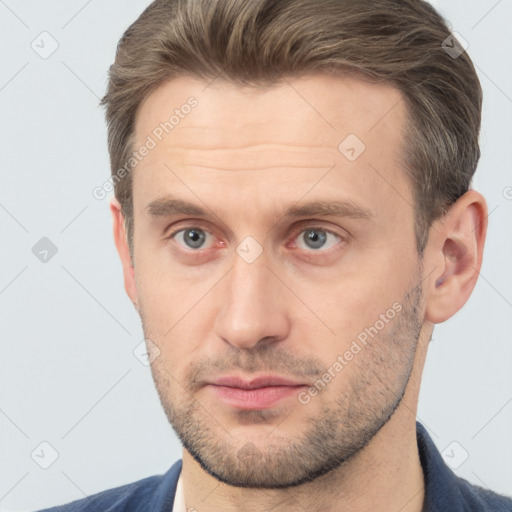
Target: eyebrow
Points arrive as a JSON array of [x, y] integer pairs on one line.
[[168, 205]]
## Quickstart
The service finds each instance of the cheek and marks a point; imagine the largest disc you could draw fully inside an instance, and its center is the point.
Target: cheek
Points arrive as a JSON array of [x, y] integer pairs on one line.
[[361, 302], [177, 315], [161, 286]]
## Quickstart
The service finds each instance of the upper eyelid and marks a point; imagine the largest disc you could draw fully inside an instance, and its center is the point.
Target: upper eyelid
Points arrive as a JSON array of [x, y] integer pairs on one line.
[[186, 224], [301, 227]]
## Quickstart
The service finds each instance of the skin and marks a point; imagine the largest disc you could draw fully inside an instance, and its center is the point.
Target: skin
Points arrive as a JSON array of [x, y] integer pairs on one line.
[[244, 156]]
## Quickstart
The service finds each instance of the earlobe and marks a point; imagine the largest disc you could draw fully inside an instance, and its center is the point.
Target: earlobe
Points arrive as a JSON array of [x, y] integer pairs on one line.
[[457, 246], [123, 250]]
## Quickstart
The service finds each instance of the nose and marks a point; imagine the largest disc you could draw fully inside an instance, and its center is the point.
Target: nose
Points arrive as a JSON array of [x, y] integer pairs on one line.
[[253, 304]]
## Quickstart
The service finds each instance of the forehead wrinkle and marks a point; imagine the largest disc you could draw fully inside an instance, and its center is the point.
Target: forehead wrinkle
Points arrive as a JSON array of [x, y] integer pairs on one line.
[[254, 156], [256, 169], [253, 145]]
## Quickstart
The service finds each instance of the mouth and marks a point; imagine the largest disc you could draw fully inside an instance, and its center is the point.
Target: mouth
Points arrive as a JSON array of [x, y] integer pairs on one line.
[[259, 393]]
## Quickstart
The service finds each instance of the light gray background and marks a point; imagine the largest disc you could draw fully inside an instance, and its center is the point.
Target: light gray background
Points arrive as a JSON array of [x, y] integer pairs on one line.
[[69, 376]]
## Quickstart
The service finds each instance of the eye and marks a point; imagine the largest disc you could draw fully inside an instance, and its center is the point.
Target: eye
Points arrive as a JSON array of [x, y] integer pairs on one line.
[[192, 238], [317, 238]]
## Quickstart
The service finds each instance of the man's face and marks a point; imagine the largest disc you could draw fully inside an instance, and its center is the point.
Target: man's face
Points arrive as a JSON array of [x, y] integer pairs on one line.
[[327, 299]]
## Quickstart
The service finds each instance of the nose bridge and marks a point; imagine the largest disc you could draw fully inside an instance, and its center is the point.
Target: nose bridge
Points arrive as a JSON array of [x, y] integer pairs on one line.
[[252, 305]]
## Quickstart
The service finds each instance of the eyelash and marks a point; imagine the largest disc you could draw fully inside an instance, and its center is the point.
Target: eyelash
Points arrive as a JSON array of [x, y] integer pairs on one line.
[[200, 252]]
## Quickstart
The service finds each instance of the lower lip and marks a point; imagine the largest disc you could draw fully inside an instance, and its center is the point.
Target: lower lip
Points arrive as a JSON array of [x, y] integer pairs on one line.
[[251, 399]]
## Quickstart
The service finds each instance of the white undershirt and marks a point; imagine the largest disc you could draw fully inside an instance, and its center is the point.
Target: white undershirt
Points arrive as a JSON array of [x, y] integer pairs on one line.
[[179, 498]]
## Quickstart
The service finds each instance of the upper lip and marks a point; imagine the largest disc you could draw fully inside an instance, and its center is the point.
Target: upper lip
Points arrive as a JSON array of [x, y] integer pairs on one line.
[[258, 382]]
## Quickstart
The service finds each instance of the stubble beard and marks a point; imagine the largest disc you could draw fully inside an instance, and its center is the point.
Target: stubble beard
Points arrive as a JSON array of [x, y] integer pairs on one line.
[[326, 440]]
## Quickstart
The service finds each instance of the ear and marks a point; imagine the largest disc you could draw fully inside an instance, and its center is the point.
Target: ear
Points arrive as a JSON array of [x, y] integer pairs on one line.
[[456, 249], [123, 250]]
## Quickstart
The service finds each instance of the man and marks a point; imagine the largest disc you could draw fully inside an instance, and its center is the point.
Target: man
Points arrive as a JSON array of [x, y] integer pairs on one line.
[[293, 214]]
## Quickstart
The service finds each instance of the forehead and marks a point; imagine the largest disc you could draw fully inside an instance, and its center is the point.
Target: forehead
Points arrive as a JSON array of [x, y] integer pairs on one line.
[[315, 109], [291, 132]]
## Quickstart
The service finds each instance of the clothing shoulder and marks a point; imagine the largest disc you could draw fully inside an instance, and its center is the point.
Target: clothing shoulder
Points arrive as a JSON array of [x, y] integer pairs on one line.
[[447, 492], [477, 498], [126, 497], [156, 491]]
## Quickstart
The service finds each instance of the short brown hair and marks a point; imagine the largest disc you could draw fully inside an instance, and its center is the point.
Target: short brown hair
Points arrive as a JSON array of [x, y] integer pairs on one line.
[[405, 43]]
